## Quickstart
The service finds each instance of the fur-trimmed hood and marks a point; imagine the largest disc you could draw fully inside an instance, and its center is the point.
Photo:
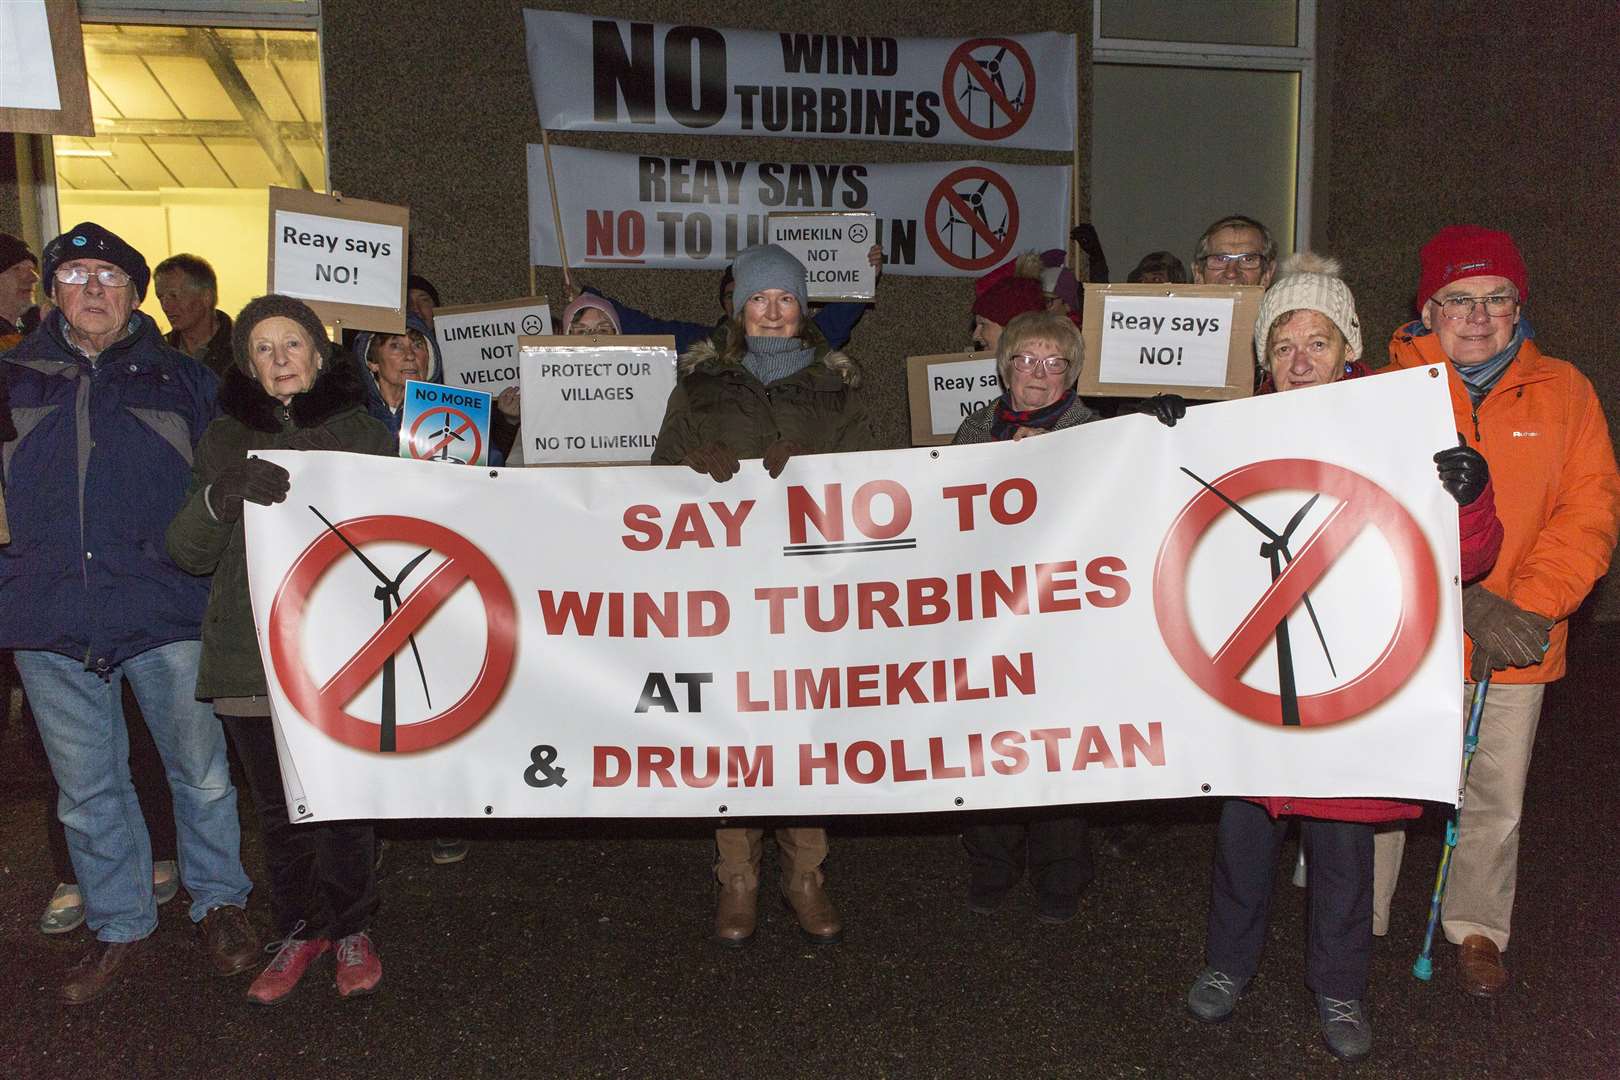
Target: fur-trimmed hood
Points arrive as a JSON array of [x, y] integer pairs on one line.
[[833, 361], [338, 388]]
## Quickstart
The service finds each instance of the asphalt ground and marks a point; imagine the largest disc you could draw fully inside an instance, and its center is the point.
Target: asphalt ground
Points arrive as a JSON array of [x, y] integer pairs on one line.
[[579, 949]]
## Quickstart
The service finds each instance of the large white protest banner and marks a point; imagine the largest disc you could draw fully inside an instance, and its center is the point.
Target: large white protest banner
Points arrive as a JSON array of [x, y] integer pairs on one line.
[[478, 342], [593, 73], [1072, 618], [594, 399], [949, 217]]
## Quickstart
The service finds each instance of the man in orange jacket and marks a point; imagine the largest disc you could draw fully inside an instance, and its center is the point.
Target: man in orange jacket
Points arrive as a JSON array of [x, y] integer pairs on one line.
[[1539, 424]]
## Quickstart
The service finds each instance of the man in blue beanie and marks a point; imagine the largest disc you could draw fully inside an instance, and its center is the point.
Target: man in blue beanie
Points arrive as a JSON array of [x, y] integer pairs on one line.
[[107, 420]]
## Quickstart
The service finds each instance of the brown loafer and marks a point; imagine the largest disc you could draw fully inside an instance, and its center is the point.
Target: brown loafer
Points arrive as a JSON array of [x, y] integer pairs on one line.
[[807, 898], [737, 912], [99, 970], [232, 945], [1479, 967]]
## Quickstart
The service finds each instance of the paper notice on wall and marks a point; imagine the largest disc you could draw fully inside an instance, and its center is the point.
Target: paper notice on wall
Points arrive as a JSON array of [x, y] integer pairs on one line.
[[27, 64]]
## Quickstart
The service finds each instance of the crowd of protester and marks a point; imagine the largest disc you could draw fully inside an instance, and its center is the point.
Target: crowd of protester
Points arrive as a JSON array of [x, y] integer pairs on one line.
[[128, 457]]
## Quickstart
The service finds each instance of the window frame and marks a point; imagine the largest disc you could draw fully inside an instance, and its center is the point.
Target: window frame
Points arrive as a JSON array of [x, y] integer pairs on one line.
[[1299, 58], [231, 14]]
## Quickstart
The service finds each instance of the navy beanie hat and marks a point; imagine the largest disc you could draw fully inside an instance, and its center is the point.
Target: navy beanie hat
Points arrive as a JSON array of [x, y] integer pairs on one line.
[[87, 240]]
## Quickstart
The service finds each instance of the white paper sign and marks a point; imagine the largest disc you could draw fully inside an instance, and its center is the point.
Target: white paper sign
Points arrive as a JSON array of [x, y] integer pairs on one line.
[[27, 65], [638, 642], [833, 249], [1170, 340], [594, 401], [479, 343], [957, 391], [337, 260]]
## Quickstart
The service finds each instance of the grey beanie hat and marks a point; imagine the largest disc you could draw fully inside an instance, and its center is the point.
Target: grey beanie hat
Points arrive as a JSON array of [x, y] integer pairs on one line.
[[767, 266], [1307, 281]]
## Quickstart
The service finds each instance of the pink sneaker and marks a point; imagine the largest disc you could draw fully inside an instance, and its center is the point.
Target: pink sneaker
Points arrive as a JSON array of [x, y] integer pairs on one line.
[[292, 959], [358, 968]]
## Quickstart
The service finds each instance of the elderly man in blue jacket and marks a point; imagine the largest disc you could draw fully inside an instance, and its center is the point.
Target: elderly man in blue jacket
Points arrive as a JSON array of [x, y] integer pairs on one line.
[[107, 417]]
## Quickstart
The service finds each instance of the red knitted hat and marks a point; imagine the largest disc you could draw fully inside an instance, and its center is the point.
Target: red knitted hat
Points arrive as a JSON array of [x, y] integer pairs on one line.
[[1462, 251], [1008, 298]]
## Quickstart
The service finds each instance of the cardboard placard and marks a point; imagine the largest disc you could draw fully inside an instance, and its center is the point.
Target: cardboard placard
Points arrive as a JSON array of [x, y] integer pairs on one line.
[[345, 258], [591, 399], [43, 85], [946, 389], [444, 423], [478, 342], [1148, 338], [833, 247]]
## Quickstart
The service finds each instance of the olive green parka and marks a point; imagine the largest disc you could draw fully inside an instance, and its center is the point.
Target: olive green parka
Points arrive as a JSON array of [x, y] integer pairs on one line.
[[717, 400], [330, 415]]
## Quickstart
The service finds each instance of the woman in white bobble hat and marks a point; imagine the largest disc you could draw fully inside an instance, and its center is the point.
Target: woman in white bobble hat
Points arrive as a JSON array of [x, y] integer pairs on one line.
[[1307, 334]]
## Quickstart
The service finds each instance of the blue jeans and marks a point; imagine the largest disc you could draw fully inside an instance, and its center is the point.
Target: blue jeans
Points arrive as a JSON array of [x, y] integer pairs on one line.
[[81, 721]]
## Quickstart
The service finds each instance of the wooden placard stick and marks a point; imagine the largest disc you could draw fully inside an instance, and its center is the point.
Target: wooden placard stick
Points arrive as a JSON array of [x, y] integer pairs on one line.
[[556, 217]]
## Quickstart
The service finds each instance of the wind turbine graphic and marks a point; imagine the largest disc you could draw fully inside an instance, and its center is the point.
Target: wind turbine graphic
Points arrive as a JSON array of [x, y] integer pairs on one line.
[[1275, 549], [388, 593], [975, 201], [443, 437], [992, 69]]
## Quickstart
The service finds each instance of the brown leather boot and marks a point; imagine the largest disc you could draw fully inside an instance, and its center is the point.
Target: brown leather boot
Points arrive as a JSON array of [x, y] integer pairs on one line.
[[737, 912], [99, 970], [807, 898]]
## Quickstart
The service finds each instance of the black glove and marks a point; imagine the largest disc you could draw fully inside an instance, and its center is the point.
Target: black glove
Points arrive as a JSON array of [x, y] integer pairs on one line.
[[253, 479], [715, 460], [1463, 471], [1166, 408], [776, 456], [1505, 635]]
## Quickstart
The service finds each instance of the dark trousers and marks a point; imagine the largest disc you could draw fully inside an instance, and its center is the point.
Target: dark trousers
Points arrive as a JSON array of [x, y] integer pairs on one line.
[[1055, 845], [320, 874], [1338, 854]]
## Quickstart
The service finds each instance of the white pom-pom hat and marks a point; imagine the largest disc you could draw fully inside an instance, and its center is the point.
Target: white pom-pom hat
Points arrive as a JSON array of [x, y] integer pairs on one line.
[[1307, 281]]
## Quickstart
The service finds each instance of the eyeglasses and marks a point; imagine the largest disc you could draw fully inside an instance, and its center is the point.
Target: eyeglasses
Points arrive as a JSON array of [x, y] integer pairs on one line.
[[1248, 260], [1497, 305], [110, 276], [1052, 365]]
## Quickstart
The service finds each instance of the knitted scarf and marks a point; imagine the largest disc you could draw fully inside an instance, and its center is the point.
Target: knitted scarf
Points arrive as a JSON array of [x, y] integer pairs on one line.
[[1008, 419], [772, 358]]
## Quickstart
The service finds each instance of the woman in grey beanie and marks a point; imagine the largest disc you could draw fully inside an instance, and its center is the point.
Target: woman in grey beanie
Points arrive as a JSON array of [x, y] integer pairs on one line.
[[766, 386]]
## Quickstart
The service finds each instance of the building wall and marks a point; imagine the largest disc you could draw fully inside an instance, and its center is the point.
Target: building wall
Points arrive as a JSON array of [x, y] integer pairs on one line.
[[431, 107], [1499, 114]]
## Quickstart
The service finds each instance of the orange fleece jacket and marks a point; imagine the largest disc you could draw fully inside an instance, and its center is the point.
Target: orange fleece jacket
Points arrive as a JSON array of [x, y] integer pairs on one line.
[[1557, 489]]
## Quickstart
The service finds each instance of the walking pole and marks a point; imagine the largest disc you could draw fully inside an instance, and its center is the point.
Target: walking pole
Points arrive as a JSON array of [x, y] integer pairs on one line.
[[1423, 968]]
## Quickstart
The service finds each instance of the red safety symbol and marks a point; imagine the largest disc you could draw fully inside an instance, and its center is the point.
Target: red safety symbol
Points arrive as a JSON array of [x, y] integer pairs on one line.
[[972, 218], [967, 76], [326, 706], [437, 429], [1362, 504]]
